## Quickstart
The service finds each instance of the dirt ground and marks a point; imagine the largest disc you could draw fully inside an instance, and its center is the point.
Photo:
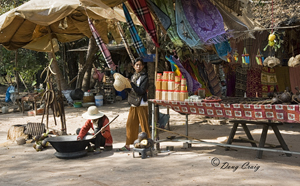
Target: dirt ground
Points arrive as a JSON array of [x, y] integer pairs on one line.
[[22, 165]]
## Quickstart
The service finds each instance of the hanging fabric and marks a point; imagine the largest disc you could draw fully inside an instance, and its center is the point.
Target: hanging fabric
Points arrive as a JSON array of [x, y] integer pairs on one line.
[[141, 10], [206, 20], [192, 85], [167, 7], [236, 56], [163, 18], [184, 30], [223, 49], [105, 52], [174, 67], [137, 42], [125, 43]]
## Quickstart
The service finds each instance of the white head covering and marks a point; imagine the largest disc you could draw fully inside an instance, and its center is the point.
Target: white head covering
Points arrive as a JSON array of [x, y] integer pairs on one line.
[[92, 113]]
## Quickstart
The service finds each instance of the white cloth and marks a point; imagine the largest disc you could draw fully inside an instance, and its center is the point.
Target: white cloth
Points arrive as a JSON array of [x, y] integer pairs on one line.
[[143, 103]]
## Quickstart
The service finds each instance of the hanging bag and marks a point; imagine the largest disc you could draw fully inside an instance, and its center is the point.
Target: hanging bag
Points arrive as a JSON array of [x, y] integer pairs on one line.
[[245, 57], [236, 56], [259, 58]]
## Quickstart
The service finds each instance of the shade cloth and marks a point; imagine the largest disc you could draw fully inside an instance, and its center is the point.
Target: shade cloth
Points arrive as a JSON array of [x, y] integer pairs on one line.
[[138, 44], [102, 47], [141, 10]]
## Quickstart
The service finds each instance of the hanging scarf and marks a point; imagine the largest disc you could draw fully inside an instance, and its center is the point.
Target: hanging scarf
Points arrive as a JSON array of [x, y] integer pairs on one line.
[[184, 30], [105, 52], [137, 42], [163, 18], [167, 7], [141, 10], [223, 49], [205, 19], [125, 43]]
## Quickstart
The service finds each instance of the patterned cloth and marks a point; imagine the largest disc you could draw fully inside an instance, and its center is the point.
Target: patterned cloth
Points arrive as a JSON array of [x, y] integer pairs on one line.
[[281, 113], [205, 19], [167, 7], [163, 18], [223, 49], [213, 80], [105, 52], [125, 43], [192, 84], [137, 42], [268, 81], [229, 70], [241, 82], [184, 29], [141, 10], [254, 82]]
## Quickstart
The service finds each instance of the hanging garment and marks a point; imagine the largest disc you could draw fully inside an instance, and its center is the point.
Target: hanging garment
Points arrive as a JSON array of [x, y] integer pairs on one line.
[[203, 75], [137, 42], [213, 80], [205, 19], [294, 77], [167, 7], [163, 18], [241, 82], [254, 82], [141, 10], [105, 52], [229, 70], [184, 29], [283, 78], [268, 81], [223, 49], [125, 43], [192, 85]]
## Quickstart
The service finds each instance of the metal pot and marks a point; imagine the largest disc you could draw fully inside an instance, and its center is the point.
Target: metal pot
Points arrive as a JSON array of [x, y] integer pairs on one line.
[[286, 97]]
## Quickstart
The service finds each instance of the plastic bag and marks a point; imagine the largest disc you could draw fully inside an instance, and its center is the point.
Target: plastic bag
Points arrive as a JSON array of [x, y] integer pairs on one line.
[[9, 90]]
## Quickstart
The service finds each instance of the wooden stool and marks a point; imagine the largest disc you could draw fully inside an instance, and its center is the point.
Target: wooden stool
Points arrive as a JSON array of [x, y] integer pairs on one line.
[[262, 137], [33, 97]]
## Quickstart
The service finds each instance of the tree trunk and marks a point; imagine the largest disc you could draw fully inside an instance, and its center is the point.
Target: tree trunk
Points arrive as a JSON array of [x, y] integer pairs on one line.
[[86, 84], [92, 49], [58, 76]]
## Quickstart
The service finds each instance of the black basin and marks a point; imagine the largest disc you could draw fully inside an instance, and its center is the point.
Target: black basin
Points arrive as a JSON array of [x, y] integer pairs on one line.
[[68, 146]]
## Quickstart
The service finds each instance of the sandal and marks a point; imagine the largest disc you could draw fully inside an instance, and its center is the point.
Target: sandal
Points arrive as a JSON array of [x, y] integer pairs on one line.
[[123, 149]]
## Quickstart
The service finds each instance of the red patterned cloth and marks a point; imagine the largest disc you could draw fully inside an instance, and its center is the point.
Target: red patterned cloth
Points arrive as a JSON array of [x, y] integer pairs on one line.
[[141, 10], [254, 82], [282, 113]]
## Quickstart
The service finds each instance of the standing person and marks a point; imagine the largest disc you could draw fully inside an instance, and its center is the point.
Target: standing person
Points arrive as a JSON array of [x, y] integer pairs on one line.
[[138, 113], [96, 120]]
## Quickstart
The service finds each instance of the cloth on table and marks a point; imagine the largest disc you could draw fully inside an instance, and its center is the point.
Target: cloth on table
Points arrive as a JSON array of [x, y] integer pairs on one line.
[[205, 19], [268, 81], [142, 11], [254, 82], [294, 77], [241, 81], [102, 47], [137, 42], [283, 78]]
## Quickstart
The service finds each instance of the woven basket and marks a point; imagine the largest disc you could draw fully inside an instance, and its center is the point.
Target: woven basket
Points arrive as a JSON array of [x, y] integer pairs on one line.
[[35, 129], [120, 82]]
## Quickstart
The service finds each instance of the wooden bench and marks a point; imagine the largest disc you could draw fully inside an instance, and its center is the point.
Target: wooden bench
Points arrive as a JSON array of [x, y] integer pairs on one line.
[[263, 136]]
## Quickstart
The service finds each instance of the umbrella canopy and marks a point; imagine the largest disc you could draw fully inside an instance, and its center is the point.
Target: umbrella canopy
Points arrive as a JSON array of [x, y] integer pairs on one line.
[[32, 24]]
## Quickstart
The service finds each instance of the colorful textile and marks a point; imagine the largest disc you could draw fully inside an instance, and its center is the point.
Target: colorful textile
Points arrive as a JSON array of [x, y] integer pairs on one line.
[[229, 70], [125, 43], [241, 82], [268, 81], [223, 49], [281, 113], [167, 7], [214, 81], [283, 78], [137, 42], [203, 76], [163, 18], [184, 29], [174, 67], [192, 85], [205, 19], [105, 52], [254, 82], [294, 77], [141, 10]]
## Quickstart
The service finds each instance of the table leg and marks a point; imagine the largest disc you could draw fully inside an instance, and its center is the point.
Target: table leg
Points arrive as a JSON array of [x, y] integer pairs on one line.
[[153, 125], [168, 124], [280, 139], [35, 109], [248, 134], [22, 106], [232, 134], [262, 141], [186, 125]]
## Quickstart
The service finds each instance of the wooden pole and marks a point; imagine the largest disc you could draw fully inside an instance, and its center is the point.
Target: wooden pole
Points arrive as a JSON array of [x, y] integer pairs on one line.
[[17, 73]]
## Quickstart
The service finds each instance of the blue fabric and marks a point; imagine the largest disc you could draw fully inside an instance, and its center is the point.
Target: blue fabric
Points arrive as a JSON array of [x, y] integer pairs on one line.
[[137, 42], [7, 95], [223, 49], [163, 18], [163, 119]]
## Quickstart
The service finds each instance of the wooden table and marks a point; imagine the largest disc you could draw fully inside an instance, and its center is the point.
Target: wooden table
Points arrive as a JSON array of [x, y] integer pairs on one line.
[[32, 97]]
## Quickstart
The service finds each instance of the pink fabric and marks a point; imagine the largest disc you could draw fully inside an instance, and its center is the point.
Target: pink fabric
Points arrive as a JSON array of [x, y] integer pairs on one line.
[[282, 113], [294, 77]]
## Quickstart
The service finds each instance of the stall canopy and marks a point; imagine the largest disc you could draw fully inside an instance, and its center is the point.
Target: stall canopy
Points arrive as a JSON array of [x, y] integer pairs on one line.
[[32, 24]]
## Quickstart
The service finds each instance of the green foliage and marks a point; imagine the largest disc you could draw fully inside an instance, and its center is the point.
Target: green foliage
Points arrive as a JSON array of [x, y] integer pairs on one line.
[[6, 5]]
